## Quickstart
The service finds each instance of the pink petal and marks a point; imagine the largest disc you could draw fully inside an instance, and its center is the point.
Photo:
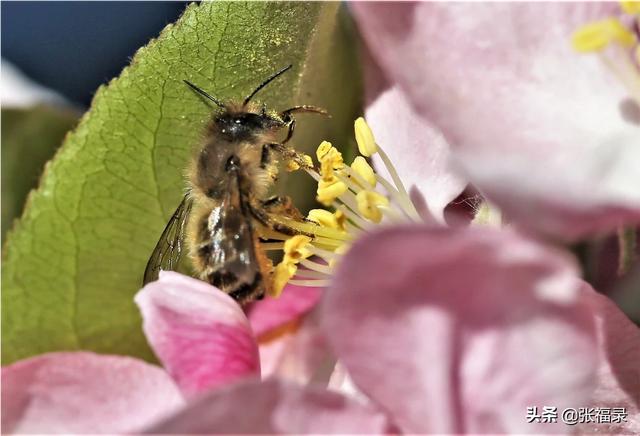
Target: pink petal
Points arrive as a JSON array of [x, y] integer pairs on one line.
[[537, 127], [84, 393], [275, 407], [340, 381], [417, 149], [199, 333], [271, 313], [298, 353], [460, 330], [618, 379]]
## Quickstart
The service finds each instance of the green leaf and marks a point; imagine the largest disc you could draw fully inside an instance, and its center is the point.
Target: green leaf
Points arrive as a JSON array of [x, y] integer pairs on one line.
[[75, 259], [30, 137]]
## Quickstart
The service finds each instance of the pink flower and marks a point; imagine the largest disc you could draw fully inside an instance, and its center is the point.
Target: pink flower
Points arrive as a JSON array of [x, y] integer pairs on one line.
[[435, 330], [548, 134], [446, 330], [469, 329], [201, 336]]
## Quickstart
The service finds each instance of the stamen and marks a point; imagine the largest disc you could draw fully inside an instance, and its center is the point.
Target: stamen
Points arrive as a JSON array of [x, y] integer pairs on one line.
[[404, 202], [625, 69], [315, 266], [353, 217], [282, 275], [598, 35], [325, 219], [329, 191], [270, 246], [325, 254], [392, 214], [312, 283], [622, 54], [309, 274], [312, 229], [352, 192], [364, 137], [362, 172], [295, 248], [396, 179], [369, 203], [631, 8]]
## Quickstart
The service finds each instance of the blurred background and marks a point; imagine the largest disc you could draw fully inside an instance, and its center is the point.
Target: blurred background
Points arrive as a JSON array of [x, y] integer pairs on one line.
[[73, 47], [54, 57]]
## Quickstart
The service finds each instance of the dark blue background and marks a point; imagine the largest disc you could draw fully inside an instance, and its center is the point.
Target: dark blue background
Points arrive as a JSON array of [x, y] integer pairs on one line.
[[73, 47]]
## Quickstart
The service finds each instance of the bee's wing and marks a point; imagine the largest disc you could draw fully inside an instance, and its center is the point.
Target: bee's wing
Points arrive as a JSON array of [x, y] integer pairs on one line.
[[231, 253], [166, 255]]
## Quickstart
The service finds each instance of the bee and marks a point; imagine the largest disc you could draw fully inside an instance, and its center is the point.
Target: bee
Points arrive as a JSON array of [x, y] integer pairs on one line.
[[227, 201]]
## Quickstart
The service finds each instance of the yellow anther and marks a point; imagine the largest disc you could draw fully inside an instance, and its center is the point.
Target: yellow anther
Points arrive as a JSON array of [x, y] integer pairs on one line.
[[281, 275], [295, 248], [369, 203], [330, 159], [330, 190], [364, 170], [323, 149], [341, 219], [631, 8], [364, 137], [596, 36], [327, 171], [323, 218]]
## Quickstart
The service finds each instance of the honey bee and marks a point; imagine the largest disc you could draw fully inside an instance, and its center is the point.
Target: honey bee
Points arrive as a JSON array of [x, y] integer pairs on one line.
[[227, 201]]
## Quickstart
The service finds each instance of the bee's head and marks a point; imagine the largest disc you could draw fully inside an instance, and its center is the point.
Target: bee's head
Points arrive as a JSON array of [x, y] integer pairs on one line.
[[241, 126]]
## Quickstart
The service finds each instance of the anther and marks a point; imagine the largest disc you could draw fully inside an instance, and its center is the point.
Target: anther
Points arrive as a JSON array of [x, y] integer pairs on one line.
[[369, 203], [364, 137]]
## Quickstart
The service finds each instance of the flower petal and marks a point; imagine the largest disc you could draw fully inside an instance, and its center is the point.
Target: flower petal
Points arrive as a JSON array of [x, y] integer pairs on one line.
[[199, 333], [460, 330], [296, 352], [84, 393], [417, 149], [537, 127], [618, 379], [275, 407], [272, 313]]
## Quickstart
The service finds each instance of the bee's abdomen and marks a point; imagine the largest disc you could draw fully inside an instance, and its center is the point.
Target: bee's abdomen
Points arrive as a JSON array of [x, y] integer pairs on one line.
[[238, 290]]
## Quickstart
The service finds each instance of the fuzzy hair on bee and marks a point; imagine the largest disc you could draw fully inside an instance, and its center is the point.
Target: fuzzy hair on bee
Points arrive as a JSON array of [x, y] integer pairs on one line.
[[227, 204]]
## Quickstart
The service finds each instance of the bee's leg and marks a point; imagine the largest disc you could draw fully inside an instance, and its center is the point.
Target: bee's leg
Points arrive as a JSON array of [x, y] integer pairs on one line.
[[282, 205], [289, 154], [268, 221], [292, 126]]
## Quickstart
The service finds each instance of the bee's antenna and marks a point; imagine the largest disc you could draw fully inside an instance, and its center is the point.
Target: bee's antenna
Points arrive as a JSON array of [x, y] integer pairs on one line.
[[203, 93], [263, 84]]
